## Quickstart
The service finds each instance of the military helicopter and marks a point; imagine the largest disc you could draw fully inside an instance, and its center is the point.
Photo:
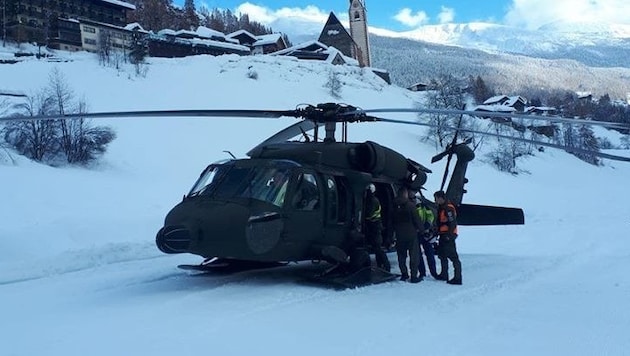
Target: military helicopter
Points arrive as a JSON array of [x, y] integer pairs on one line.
[[303, 200]]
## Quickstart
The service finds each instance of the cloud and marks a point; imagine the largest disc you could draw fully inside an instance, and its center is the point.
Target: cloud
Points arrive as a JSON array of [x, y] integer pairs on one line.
[[535, 13], [406, 17], [267, 16], [447, 15]]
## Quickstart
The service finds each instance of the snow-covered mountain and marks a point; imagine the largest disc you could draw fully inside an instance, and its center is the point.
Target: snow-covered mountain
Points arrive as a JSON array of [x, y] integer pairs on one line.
[[591, 43]]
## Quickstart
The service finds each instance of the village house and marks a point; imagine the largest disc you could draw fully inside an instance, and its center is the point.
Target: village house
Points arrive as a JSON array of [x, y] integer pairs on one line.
[[54, 23]]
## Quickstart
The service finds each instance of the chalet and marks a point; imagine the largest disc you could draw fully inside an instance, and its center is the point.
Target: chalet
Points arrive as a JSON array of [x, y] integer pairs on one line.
[[262, 44], [315, 50], [170, 43], [516, 102], [244, 38], [540, 110], [39, 21], [418, 87], [269, 43], [584, 95]]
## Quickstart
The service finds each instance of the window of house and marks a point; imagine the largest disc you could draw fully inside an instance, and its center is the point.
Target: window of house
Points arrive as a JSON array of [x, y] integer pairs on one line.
[[89, 29]]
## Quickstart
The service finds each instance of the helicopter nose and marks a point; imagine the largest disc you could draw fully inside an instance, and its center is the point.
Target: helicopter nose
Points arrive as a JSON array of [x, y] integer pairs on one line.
[[221, 229], [173, 239]]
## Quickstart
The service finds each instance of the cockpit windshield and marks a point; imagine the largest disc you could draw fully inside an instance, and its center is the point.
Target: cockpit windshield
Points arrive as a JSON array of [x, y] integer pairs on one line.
[[229, 181]]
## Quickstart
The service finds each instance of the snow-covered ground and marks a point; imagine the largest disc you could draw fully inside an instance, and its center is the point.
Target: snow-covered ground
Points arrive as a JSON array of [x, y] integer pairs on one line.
[[80, 274]]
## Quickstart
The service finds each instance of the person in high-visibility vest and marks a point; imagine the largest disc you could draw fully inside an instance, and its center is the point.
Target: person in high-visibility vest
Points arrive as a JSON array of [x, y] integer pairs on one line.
[[426, 238], [374, 227], [447, 231]]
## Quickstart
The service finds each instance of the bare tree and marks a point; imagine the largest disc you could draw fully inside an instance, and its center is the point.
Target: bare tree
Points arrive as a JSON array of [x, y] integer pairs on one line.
[[447, 92], [36, 140]]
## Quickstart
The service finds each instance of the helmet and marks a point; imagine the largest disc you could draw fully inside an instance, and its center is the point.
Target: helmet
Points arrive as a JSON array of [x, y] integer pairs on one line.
[[371, 188]]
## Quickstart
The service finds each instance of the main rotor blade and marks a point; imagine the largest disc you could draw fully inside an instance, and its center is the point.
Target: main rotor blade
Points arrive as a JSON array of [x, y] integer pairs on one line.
[[560, 119], [271, 114], [553, 145], [287, 133]]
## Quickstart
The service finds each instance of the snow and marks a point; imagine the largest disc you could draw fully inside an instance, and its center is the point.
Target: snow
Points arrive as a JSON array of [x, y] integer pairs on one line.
[[79, 271]]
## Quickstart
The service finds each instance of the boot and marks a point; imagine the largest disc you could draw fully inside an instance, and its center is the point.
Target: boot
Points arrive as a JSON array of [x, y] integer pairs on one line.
[[416, 279], [456, 281], [404, 277]]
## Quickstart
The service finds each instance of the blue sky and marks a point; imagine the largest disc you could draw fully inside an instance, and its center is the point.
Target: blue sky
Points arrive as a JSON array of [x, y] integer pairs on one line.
[[402, 15]]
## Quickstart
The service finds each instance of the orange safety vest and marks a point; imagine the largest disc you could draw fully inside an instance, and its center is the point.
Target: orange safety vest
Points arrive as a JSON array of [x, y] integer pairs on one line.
[[443, 219]]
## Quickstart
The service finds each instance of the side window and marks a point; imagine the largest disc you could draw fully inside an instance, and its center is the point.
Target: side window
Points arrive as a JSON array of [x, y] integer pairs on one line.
[[332, 197], [307, 193]]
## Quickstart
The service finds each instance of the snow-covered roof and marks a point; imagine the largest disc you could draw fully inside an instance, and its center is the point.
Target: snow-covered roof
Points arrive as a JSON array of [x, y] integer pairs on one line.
[[186, 32], [221, 44], [302, 46], [240, 32], [539, 108], [121, 3], [267, 39], [514, 99], [167, 31], [204, 31], [495, 108], [495, 99], [135, 26], [201, 41]]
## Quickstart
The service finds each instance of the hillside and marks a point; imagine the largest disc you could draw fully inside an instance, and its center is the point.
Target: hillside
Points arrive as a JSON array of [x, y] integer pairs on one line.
[[412, 61], [80, 272]]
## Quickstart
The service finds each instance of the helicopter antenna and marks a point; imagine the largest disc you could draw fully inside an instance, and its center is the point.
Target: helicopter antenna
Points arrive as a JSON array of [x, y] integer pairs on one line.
[[230, 153]]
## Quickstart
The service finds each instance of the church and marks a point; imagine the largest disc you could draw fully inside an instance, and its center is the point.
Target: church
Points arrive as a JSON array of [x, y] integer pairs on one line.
[[354, 44]]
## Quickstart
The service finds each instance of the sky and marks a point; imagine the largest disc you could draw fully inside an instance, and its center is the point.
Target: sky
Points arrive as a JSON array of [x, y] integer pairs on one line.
[[404, 15], [80, 272]]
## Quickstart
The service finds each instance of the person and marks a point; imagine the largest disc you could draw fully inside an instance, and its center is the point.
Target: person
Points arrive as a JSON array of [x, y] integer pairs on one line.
[[447, 231], [374, 227], [277, 187], [406, 225], [426, 238]]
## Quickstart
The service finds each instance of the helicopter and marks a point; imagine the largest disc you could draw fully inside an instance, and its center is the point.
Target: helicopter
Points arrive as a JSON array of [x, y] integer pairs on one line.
[[304, 200]]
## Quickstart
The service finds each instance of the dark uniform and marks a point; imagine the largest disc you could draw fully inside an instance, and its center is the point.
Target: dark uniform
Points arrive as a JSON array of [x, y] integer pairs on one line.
[[447, 230], [374, 228], [406, 225]]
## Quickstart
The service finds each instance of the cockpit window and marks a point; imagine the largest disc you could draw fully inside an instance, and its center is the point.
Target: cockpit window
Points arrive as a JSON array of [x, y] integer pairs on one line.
[[267, 184], [207, 180], [228, 181]]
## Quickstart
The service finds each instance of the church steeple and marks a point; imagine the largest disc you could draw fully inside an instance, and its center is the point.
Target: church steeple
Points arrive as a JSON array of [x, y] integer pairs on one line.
[[359, 31]]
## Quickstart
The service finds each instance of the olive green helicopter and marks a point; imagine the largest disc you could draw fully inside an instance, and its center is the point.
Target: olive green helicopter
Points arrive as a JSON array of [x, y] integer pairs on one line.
[[303, 200]]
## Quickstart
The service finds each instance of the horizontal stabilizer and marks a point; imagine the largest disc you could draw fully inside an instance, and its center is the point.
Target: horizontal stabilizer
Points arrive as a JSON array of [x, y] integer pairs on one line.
[[471, 215]]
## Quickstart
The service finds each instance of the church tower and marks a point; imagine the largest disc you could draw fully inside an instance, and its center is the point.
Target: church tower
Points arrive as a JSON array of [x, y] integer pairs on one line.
[[359, 31]]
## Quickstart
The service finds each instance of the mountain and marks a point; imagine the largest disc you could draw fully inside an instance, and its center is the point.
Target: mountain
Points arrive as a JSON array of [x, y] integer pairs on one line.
[[412, 61], [594, 44]]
